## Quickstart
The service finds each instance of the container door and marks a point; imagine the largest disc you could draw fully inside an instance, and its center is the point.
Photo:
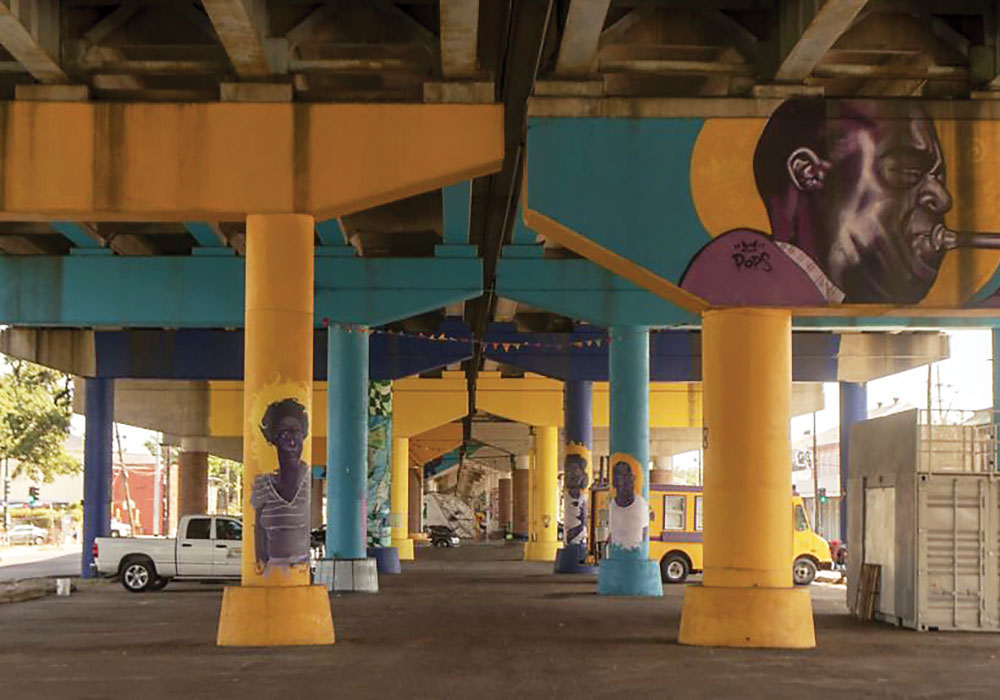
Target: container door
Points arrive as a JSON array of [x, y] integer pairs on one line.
[[880, 544], [957, 574]]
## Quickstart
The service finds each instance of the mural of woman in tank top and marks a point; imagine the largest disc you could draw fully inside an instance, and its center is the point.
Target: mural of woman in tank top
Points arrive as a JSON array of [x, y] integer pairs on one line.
[[280, 499]]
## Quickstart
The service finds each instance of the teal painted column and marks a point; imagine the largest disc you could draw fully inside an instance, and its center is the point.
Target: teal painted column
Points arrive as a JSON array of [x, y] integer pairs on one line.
[[346, 442], [627, 570]]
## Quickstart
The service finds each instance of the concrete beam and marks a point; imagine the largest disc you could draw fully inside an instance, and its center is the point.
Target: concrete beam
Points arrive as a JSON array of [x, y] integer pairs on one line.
[[867, 356], [70, 351], [176, 407], [459, 38], [129, 161], [816, 38], [242, 29], [581, 34], [29, 31]]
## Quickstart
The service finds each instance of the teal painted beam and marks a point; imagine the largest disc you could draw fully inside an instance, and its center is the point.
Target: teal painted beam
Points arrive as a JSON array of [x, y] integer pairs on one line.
[[456, 204], [79, 236], [207, 235], [207, 291], [580, 289], [331, 233], [522, 235]]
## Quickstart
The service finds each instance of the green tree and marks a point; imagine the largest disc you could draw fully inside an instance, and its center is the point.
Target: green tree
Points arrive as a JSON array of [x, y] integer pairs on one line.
[[228, 477], [35, 407]]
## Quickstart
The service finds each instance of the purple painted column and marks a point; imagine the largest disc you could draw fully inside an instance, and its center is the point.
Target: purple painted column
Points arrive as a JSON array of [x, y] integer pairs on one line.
[[577, 473]]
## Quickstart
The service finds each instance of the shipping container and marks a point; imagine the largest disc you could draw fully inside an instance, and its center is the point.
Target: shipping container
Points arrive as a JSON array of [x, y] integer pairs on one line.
[[923, 504]]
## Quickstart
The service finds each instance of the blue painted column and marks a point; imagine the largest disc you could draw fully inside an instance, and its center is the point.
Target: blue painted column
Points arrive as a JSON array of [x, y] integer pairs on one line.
[[627, 569], [99, 407], [853, 408], [578, 430], [346, 442]]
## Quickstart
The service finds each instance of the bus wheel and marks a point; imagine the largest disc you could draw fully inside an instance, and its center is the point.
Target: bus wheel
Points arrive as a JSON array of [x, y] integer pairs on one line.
[[674, 568], [803, 571]]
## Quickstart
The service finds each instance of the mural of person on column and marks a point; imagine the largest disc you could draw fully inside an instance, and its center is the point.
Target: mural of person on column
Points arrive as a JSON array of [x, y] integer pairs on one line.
[[280, 497], [629, 511], [379, 461], [576, 479]]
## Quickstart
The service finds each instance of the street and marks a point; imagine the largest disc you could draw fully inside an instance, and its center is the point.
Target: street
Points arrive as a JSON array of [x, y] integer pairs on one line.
[[20, 562]]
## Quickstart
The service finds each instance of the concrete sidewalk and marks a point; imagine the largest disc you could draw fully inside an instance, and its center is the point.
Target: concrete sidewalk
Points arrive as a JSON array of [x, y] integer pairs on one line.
[[467, 623]]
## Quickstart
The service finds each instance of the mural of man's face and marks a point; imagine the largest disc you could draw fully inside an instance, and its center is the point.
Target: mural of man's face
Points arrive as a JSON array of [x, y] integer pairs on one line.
[[575, 476], [290, 437], [623, 480], [875, 197]]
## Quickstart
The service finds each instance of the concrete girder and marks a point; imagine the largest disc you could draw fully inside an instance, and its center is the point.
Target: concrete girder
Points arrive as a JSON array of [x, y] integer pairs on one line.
[[459, 38], [581, 35], [29, 31], [867, 356], [818, 36], [130, 161], [510, 438], [242, 29]]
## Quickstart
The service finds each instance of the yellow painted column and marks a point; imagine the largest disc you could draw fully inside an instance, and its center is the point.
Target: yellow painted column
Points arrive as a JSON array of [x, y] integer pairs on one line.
[[543, 544], [747, 598], [275, 604], [399, 498]]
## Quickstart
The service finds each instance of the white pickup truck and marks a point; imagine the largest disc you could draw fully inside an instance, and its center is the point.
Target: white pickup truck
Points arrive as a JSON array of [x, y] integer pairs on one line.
[[208, 548]]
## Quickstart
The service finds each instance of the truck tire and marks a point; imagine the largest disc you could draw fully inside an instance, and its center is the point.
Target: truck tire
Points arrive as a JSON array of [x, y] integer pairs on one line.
[[804, 571], [159, 584], [674, 568], [137, 574]]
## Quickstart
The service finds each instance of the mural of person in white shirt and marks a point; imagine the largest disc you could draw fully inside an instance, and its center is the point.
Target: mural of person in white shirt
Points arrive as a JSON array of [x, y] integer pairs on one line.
[[280, 499], [629, 511]]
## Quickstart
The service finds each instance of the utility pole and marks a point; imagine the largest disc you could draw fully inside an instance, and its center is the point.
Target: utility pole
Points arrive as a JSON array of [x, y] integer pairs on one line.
[[6, 495], [816, 512]]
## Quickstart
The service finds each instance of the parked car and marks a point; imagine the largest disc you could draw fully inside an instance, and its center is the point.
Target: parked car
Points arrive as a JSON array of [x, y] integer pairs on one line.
[[208, 549], [27, 534], [443, 536]]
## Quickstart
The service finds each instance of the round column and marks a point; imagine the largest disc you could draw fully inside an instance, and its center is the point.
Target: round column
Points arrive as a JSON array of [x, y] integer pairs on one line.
[[578, 431], [99, 405], [627, 569], [275, 603], [747, 598], [544, 543], [399, 498], [522, 496], [505, 504]]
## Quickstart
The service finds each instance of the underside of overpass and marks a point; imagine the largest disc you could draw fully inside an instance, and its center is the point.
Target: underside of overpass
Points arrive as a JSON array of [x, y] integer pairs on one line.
[[573, 236]]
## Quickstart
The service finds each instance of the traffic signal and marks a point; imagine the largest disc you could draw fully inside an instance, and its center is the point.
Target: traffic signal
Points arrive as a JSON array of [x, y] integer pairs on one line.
[[822, 495], [32, 496]]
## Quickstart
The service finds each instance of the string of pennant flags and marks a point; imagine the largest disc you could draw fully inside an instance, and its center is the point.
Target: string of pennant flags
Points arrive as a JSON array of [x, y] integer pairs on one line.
[[489, 345]]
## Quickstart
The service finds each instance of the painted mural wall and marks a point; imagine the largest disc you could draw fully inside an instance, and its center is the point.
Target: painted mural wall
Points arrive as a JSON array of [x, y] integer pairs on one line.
[[379, 461], [822, 203]]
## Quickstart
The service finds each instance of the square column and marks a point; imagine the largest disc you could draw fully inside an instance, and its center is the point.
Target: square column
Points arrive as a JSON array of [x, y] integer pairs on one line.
[[347, 567], [192, 477], [747, 598], [275, 605], [99, 406], [577, 473], [522, 496], [543, 542], [627, 569], [853, 409], [399, 498]]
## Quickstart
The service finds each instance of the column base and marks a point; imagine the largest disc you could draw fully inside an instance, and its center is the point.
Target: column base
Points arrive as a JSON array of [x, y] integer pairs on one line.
[[775, 618], [629, 577], [404, 547], [386, 559], [570, 560], [348, 575], [271, 616], [540, 551]]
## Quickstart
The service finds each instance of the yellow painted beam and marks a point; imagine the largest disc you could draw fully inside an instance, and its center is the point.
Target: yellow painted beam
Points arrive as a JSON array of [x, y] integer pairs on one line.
[[433, 443], [533, 399], [222, 161], [419, 405]]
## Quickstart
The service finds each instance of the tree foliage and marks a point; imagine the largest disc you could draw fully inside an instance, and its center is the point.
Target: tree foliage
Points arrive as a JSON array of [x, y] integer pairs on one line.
[[35, 407]]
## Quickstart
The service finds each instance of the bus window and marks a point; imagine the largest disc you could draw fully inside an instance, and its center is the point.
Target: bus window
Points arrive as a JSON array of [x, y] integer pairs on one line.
[[673, 513], [697, 513], [801, 522]]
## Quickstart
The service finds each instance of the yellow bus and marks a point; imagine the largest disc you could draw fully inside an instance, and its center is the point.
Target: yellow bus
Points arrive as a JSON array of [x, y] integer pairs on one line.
[[675, 533]]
